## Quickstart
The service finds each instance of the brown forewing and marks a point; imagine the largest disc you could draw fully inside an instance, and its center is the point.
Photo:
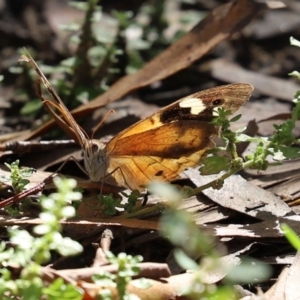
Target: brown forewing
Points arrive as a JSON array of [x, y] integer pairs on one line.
[[158, 154], [230, 97]]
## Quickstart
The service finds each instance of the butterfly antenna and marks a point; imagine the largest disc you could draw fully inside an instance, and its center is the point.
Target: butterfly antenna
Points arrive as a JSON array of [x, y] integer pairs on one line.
[[104, 118], [81, 136]]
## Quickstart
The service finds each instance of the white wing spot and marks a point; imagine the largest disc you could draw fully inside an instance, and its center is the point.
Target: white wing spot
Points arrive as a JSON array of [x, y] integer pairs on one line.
[[195, 104]]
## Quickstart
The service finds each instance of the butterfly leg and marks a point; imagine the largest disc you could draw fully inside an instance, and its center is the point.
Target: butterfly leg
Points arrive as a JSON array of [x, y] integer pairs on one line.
[[145, 198], [123, 182], [72, 158]]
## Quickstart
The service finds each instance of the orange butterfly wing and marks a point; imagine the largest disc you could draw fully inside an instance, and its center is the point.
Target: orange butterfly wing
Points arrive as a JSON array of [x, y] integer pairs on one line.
[[159, 154], [174, 138]]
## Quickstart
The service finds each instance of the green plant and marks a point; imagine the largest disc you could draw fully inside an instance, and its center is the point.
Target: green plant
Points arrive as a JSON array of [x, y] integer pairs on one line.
[[29, 252], [127, 268], [111, 204], [18, 180], [17, 176], [291, 236], [178, 226], [103, 53]]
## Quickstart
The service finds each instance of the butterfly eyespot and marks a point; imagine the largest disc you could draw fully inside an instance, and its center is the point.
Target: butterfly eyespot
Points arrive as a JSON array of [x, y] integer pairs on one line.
[[218, 102]]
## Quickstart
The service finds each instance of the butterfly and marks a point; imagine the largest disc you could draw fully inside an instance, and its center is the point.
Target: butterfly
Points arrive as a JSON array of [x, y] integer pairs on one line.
[[158, 147]]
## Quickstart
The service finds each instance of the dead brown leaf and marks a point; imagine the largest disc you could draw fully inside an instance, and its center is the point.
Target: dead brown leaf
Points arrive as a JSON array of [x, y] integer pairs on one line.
[[239, 195], [280, 88], [287, 285]]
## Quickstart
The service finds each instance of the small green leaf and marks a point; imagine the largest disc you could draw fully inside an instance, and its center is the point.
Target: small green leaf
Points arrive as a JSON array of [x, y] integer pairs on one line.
[[142, 283], [250, 270], [166, 191], [295, 74], [60, 290], [290, 152], [27, 172], [110, 211], [291, 236], [236, 118], [214, 165], [246, 138], [31, 107], [33, 291], [184, 260], [104, 279], [68, 247]]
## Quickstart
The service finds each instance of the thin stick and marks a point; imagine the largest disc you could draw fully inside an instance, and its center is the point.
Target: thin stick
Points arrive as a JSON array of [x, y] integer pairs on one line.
[[20, 196]]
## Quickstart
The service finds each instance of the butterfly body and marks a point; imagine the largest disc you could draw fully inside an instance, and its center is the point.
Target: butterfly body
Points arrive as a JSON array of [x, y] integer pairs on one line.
[[94, 154]]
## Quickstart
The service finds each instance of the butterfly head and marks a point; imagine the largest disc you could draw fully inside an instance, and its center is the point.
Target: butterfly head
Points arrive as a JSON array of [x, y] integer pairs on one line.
[[95, 159]]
